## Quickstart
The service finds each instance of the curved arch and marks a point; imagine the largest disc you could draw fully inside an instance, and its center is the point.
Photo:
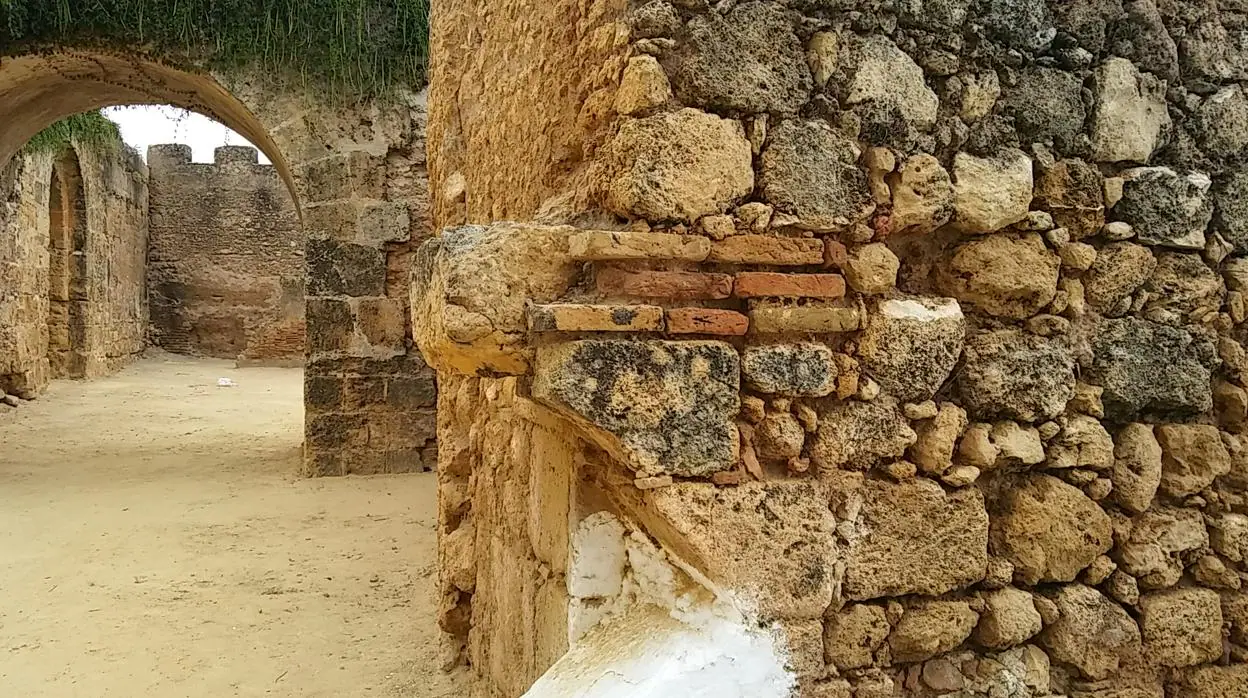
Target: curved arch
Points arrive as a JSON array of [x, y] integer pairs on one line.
[[36, 90]]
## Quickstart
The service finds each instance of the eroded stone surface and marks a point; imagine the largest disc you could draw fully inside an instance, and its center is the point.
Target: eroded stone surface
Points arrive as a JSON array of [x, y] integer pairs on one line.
[[669, 405], [811, 171], [911, 345], [1166, 208], [859, 435], [795, 370], [1009, 276], [1049, 530], [1014, 375], [1149, 368], [1091, 633]]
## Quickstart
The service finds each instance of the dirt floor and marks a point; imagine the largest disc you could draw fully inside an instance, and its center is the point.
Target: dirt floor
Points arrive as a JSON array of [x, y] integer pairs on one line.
[[155, 540]]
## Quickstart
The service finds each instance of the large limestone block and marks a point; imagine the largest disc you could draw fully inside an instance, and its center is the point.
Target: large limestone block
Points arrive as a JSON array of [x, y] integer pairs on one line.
[[915, 538], [470, 286], [1009, 276], [677, 166], [853, 634], [911, 345], [661, 407], [770, 541], [922, 195], [1129, 113], [1049, 530], [991, 193], [748, 61], [1182, 627], [1009, 618], [1092, 633], [1013, 375], [811, 171], [1145, 367]]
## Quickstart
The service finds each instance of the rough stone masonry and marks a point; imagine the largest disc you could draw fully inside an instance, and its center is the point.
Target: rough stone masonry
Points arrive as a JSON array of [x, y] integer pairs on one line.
[[918, 325]]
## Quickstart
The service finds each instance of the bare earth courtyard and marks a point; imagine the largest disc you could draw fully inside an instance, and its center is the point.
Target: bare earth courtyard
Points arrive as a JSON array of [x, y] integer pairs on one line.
[[156, 540]]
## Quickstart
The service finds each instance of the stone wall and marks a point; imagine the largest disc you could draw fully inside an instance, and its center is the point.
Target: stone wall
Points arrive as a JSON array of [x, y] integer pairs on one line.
[[916, 328], [225, 257], [73, 253]]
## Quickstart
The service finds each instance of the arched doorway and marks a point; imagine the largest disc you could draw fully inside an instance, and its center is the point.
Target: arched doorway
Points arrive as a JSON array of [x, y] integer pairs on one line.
[[67, 265]]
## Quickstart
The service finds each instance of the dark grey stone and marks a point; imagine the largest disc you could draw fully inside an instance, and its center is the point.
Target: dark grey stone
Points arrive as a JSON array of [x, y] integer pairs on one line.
[[1047, 106], [1141, 36], [1009, 374], [1230, 208], [804, 369], [809, 170], [345, 269], [655, 19], [748, 61], [1021, 24], [1166, 208], [1146, 368], [671, 405], [1220, 125], [1086, 20]]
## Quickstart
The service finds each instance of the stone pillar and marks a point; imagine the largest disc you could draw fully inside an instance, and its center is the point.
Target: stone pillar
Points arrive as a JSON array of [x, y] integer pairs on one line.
[[369, 398], [909, 335]]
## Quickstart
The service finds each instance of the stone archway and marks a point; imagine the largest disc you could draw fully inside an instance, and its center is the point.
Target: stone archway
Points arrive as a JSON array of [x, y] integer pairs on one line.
[[67, 288], [357, 175]]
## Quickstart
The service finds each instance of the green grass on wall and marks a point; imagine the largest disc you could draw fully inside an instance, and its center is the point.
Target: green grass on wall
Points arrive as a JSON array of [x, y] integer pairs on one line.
[[351, 47], [90, 130]]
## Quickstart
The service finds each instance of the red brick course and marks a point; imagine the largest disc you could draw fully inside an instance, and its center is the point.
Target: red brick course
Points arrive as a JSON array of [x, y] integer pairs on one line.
[[760, 284], [675, 285], [706, 321]]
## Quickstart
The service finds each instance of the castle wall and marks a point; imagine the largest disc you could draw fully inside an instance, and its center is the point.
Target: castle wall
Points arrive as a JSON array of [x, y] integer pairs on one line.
[[225, 257]]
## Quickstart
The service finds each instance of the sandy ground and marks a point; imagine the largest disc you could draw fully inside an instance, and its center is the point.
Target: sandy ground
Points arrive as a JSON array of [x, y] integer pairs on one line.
[[155, 540]]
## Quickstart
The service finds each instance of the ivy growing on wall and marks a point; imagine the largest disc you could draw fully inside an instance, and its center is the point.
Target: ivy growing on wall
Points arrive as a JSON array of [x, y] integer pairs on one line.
[[353, 47], [90, 130]]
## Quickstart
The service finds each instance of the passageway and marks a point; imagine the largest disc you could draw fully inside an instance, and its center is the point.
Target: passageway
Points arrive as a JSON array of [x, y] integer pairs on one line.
[[158, 541]]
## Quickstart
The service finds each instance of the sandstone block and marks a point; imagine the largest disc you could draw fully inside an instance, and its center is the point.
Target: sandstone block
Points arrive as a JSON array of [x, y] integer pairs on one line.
[[676, 285], [991, 193], [852, 635], [812, 318], [579, 317], [1159, 539], [1092, 633], [706, 321], [1049, 530], [677, 166], [811, 171], [682, 398], [929, 628], [871, 269], [1213, 681], [1072, 191], [1137, 467], [785, 560], [1081, 443], [621, 246], [762, 284], [1129, 112], [643, 86], [804, 369], [1009, 618], [893, 554], [1165, 208], [1010, 276], [922, 195], [1149, 368], [1181, 627], [936, 438], [859, 435], [1016, 444], [767, 249], [1120, 269], [779, 437], [1183, 289], [1012, 375], [1192, 456], [1229, 536]]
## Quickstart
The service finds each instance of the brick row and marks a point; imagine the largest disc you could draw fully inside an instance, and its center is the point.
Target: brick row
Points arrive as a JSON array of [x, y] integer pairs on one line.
[[582, 317], [692, 285]]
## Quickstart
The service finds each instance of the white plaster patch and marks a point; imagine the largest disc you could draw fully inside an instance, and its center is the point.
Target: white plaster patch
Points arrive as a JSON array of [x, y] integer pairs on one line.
[[931, 310], [596, 565]]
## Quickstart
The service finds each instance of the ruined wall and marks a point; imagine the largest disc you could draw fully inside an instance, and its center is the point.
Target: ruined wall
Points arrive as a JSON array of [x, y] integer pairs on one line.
[[225, 257], [73, 306], [918, 326]]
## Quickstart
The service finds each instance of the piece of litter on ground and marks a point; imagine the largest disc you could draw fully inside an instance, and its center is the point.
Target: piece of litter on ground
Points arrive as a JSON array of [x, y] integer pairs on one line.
[[225, 382]]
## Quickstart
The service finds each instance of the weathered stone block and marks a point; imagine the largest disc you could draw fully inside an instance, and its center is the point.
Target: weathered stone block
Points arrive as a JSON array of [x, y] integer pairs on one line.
[[748, 60], [1166, 208], [767, 249], [580, 317], [622, 246], [714, 321], [1158, 541], [883, 74], [330, 325], [1129, 114], [1072, 191], [922, 195], [677, 166], [893, 552], [911, 345], [1047, 529], [811, 171], [852, 635], [1149, 368], [796, 370], [1181, 627], [345, 269], [1120, 269], [663, 407], [1010, 276], [1012, 375], [859, 435], [929, 628], [1192, 456], [1137, 467], [991, 193], [1092, 633], [785, 559]]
